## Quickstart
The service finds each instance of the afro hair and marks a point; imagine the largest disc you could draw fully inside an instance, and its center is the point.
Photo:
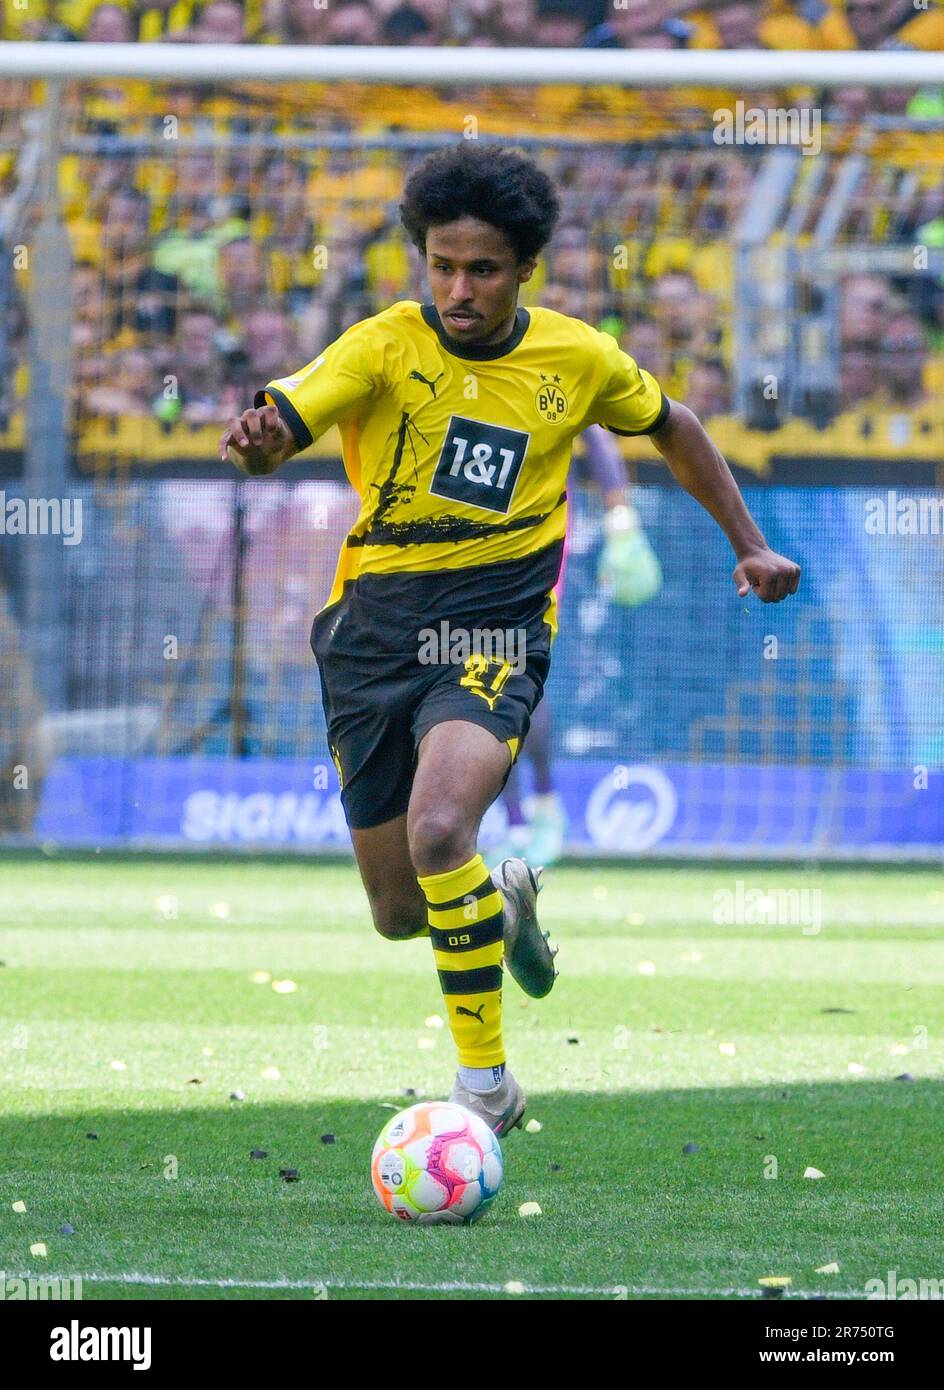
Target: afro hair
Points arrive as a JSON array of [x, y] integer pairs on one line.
[[495, 185]]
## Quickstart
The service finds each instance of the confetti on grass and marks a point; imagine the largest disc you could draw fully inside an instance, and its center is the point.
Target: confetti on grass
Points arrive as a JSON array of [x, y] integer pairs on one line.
[[19, 1206], [39, 1250], [515, 1286], [832, 1268], [529, 1209], [813, 1173]]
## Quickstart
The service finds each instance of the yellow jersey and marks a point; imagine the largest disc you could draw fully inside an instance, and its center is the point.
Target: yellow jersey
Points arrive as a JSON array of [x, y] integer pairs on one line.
[[460, 452]]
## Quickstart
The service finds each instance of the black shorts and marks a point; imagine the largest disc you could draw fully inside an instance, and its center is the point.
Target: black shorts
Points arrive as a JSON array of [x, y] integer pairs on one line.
[[385, 687]]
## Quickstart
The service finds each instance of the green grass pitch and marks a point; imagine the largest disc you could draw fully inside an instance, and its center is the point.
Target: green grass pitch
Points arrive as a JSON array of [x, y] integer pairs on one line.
[[761, 1045]]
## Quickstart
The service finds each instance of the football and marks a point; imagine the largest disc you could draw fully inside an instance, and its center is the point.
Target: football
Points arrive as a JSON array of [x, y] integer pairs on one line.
[[436, 1162]]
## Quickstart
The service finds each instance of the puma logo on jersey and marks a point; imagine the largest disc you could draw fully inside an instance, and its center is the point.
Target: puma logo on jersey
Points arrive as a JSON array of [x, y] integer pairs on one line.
[[418, 376], [461, 1009]]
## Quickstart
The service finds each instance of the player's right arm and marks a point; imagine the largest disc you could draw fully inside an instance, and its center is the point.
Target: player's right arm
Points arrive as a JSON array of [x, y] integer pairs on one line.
[[291, 412]]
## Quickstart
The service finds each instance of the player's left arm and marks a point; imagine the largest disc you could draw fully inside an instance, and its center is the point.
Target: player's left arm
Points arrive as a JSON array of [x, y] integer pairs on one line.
[[702, 470]]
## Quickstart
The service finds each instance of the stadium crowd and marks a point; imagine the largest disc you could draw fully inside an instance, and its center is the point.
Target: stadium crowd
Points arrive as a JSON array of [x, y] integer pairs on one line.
[[186, 299], [199, 275], [782, 24]]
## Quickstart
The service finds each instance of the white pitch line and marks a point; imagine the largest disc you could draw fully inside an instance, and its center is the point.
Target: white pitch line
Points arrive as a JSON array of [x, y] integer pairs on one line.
[[391, 1286]]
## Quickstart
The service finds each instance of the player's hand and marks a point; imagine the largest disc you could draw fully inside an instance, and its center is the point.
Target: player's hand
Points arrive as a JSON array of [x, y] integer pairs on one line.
[[770, 575], [257, 441]]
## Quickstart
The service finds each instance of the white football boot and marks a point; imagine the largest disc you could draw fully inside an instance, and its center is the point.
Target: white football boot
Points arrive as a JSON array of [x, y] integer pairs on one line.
[[527, 954], [501, 1109]]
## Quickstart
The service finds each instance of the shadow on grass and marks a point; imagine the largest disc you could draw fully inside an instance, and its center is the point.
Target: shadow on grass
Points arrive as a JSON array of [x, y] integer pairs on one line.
[[175, 1198]]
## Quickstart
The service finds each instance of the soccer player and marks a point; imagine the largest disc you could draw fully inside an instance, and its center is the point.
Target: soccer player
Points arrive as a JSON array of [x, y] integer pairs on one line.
[[457, 419]]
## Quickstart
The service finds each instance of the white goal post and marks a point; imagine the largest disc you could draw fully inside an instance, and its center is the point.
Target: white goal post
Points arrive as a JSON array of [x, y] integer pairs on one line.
[[458, 66]]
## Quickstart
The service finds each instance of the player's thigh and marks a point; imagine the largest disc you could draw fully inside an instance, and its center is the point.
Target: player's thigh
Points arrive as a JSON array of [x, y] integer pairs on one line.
[[468, 729], [461, 768], [383, 857], [371, 742]]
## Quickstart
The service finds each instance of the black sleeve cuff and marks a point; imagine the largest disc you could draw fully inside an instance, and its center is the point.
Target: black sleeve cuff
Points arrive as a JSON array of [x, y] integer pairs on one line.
[[657, 423], [300, 431]]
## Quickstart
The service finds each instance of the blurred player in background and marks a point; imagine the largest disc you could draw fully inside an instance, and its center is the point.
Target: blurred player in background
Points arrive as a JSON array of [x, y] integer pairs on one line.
[[630, 574]]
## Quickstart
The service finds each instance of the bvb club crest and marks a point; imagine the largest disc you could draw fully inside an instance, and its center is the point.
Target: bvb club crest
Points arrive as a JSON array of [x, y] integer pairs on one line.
[[550, 400]]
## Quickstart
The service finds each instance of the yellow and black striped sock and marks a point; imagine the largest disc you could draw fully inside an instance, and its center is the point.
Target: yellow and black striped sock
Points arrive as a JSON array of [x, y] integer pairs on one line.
[[465, 926]]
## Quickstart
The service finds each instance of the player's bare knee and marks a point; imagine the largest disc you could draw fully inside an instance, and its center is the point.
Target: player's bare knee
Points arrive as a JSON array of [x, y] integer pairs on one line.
[[440, 840], [398, 923]]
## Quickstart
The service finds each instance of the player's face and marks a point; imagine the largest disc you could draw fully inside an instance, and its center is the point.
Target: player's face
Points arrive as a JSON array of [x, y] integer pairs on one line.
[[474, 277]]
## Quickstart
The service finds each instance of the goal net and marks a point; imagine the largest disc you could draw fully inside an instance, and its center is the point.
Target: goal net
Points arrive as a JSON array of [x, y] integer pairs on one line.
[[772, 252]]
